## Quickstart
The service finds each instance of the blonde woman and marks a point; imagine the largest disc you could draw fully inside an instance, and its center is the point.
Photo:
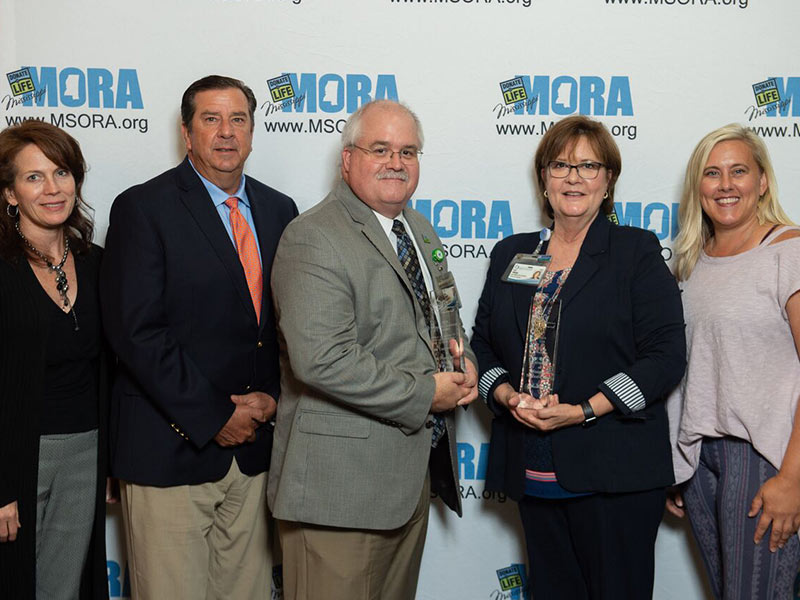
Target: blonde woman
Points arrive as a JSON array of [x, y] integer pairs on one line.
[[738, 438]]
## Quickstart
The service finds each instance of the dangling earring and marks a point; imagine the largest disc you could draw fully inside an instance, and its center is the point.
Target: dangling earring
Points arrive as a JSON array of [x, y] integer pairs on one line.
[[545, 193], [12, 210], [605, 196]]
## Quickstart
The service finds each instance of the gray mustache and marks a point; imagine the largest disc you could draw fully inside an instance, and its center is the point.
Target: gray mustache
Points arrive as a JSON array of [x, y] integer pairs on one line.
[[402, 175]]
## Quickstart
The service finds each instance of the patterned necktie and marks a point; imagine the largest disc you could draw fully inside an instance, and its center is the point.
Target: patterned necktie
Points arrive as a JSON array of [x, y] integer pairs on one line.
[[411, 265], [248, 253]]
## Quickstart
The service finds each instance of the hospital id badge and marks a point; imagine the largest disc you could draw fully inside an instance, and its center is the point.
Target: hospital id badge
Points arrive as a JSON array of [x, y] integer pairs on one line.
[[527, 269]]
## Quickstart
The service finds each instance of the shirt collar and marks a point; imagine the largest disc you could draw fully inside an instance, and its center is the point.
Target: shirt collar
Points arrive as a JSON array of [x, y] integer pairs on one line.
[[386, 223], [218, 196]]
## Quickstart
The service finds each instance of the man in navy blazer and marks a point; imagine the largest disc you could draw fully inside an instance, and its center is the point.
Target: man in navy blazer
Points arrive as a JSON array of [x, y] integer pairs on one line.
[[187, 309]]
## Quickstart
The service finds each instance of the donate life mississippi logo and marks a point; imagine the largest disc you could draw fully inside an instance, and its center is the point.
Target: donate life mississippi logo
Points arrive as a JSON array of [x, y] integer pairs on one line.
[[513, 583], [766, 92], [515, 97], [280, 88], [21, 82], [281, 91], [775, 97], [513, 91]]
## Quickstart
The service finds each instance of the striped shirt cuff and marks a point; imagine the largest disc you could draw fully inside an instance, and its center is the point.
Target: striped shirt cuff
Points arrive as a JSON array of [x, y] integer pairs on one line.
[[487, 381], [626, 390]]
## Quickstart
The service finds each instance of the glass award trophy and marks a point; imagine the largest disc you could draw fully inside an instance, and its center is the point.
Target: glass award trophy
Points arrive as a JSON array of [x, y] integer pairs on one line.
[[541, 350], [449, 356]]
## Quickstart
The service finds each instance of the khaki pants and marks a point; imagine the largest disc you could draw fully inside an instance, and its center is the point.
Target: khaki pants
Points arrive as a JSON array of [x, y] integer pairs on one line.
[[354, 564], [195, 542]]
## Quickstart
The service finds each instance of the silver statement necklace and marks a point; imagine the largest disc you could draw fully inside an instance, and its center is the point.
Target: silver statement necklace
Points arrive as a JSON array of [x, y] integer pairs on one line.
[[62, 285]]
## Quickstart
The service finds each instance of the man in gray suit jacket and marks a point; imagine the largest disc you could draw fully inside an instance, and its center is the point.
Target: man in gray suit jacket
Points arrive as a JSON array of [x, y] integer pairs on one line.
[[365, 427]]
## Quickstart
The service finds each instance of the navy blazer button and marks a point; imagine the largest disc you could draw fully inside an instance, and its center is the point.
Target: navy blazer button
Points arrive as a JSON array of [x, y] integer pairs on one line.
[[260, 344], [247, 388]]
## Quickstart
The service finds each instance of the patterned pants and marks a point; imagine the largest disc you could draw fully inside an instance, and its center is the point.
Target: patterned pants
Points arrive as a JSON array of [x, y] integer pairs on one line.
[[717, 500], [64, 512]]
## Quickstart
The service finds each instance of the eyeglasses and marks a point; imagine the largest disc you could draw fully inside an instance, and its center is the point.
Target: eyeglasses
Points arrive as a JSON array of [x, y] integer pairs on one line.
[[382, 155], [586, 170]]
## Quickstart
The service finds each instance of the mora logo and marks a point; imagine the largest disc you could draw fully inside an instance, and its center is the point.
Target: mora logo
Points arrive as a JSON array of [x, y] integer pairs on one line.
[[472, 219], [73, 87], [566, 95], [460, 222], [334, 93], [119, 584], [660, 218], [472, 464]]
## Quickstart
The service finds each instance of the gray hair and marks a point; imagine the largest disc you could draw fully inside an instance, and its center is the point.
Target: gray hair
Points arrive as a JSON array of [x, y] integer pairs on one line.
[[352, 129]]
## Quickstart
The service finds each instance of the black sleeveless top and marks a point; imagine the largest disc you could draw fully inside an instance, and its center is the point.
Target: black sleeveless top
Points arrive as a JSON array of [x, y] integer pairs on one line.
[[69, 388]]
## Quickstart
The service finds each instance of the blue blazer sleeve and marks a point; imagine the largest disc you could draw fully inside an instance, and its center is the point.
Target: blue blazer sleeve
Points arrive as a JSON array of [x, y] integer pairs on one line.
[[658, 334], [139, 330]]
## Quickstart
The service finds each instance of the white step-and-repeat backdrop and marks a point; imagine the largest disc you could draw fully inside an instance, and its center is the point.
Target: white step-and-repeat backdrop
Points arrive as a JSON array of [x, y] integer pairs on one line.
[[487, 78]]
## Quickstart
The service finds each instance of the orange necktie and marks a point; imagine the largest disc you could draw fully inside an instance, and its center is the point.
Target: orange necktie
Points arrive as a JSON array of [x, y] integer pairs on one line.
[[248, 253]]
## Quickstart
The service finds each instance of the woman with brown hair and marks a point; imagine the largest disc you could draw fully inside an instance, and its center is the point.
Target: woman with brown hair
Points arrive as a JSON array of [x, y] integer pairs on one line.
[[580, 438], [52, 408]]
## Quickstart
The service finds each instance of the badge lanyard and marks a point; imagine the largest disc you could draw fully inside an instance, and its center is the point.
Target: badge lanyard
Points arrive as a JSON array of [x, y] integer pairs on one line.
[[529, 269]]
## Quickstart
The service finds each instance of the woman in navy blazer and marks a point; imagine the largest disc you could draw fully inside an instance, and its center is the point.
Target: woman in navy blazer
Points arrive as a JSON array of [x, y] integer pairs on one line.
[[589, 458]]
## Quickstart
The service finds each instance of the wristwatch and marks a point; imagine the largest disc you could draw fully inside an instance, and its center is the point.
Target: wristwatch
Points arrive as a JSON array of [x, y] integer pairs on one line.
[[588, 414]]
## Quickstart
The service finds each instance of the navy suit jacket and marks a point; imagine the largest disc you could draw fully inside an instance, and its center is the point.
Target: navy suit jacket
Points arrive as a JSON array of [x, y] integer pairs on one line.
[[178, 313], [621, 312]]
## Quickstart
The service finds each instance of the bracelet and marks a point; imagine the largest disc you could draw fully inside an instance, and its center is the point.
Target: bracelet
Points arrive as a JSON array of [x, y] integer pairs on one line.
[[588, 414]]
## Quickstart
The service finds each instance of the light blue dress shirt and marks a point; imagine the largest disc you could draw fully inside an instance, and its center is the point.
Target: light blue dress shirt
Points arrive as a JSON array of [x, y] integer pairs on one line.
[[219, 196]]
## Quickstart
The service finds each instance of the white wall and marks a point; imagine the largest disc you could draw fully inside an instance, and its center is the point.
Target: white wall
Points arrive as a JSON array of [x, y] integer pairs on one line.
[[664, 72]]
